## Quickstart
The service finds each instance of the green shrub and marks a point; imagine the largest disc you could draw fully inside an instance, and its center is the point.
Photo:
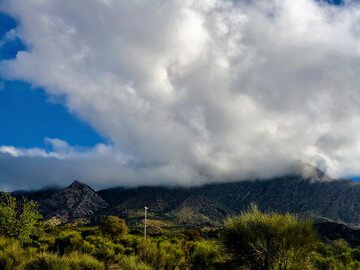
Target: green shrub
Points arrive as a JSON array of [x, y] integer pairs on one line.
[[205, 255], [104, 248], [160, 255], [192, 234], [47, 261], [335, 256], [68, 241], [77, 261], [133, 263], [12, 255], [113, 227], [18, 220], [268, 241]]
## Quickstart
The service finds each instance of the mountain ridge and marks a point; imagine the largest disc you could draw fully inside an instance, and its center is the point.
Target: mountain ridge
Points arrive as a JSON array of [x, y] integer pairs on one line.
[[78, 200], [312, 195]]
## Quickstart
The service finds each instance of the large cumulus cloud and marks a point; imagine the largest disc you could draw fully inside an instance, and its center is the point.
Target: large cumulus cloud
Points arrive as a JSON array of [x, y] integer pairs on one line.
[[192, 91]]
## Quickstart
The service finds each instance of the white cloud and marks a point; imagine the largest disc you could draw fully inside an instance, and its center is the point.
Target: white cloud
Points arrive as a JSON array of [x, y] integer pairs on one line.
[[9, 36], [195, 91], [59, 150]]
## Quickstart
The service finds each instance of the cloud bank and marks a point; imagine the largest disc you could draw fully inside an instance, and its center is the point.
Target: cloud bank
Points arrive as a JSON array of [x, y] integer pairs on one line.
[[191, 91]]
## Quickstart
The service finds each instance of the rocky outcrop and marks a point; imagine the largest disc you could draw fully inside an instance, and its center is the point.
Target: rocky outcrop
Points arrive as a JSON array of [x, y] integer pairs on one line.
[[75, 201]]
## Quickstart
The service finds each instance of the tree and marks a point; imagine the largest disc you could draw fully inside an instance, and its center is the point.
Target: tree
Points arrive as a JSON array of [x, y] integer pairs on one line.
[[268, 241], [18, 220], [113, 227]]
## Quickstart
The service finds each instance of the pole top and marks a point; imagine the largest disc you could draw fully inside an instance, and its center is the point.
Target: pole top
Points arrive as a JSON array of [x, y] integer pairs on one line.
[[146, 208]]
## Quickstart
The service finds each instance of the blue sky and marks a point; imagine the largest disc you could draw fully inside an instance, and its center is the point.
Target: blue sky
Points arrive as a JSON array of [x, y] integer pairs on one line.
[[27, 115]]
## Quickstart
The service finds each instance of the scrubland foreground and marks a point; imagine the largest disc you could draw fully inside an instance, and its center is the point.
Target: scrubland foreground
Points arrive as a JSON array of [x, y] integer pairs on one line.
[[251, 240]]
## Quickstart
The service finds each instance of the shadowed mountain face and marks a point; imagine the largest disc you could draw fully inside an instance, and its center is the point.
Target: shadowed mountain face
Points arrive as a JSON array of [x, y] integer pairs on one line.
[[310, 193], [337, 200], [75, 201], [329, 231]]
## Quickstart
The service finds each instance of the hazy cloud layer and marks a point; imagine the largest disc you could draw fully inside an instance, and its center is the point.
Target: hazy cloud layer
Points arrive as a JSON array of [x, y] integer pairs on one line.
[[191, 91]]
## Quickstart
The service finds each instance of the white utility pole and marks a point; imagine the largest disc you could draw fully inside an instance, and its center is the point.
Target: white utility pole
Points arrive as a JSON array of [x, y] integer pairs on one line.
[[145, 221]]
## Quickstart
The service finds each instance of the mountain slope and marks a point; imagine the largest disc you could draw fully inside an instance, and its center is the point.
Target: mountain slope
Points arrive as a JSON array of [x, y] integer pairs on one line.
[[308, 193], [75, 201], [336, 200]]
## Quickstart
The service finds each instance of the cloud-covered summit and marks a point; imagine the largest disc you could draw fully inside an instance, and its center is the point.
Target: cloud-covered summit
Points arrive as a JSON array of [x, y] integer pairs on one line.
[[191, 91]]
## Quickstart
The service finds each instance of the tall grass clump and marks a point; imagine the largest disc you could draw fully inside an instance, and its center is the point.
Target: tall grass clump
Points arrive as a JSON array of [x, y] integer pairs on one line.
[[133, 263], [12, 255], [77, 261], [206, 255], [161, 255], [46, 261], [268, 241]]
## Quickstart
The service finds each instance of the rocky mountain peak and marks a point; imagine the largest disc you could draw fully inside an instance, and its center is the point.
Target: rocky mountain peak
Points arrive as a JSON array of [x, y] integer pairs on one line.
[[77, 185], [78, 200]]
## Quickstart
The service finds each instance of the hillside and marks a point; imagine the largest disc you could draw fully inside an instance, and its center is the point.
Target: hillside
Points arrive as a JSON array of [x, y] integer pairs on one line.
[[314, 195], [336, 200]]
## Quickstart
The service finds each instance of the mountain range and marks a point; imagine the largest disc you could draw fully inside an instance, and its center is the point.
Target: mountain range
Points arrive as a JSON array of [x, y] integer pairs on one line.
[[306, 193]]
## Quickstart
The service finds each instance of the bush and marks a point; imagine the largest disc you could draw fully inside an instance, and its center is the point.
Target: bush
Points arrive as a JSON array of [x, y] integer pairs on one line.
[[160, 255], [12, 255], [133, 263], [18, 220], [113, 227], [268, 241], [104, 249], [68, 241], [77, 261], [74, 261], [336, 255], [192, 234], [206, 255], [47, 261]]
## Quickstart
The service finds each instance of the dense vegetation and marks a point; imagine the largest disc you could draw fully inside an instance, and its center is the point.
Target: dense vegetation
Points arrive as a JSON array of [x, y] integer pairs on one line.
[[252, 240]]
